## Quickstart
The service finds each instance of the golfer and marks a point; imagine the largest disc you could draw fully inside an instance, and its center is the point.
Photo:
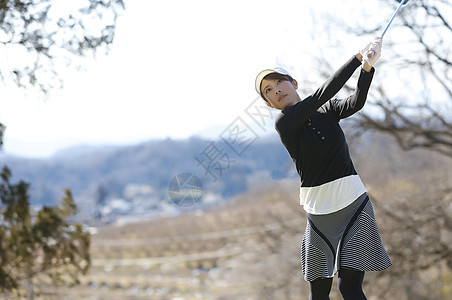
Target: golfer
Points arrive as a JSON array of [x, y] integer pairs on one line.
[[341, 234]]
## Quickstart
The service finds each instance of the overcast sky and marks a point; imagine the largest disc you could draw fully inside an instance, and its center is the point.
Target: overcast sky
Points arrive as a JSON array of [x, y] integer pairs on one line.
[[176, 69]]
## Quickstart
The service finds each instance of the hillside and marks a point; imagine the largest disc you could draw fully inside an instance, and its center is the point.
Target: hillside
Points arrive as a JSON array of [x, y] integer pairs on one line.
[[109, 182], [99, 176], [248, 248]]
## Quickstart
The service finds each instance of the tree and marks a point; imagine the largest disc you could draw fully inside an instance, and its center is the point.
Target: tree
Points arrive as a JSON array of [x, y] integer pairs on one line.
[[41, 242], [2, 130], [424, 123], [44, 35], [411, 95]]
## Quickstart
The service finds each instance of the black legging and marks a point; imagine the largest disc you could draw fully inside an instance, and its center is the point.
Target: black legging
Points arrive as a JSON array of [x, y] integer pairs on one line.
[[350, 285]]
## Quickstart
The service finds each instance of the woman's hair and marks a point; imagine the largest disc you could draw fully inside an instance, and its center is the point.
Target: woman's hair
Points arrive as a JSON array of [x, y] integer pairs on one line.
[[275, 76]]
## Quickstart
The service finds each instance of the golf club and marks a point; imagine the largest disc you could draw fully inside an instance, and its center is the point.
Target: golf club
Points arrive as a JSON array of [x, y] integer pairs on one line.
[[402, 2]]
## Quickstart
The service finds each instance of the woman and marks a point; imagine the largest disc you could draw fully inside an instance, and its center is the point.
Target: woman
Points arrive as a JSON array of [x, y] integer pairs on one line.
[[341, 233]]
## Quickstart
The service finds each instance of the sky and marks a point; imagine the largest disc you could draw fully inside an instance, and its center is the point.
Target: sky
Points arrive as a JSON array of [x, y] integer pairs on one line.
[[176, 69]]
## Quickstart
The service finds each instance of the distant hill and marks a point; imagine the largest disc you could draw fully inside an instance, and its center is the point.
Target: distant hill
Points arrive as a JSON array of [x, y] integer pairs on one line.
[[85, 169], [98, 175]]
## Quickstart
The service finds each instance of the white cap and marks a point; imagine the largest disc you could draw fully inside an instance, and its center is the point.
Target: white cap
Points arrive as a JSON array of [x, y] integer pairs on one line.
[[264, 73]]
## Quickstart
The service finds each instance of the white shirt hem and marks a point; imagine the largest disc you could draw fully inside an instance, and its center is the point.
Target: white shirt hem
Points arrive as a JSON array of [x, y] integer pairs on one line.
[[331, 196]]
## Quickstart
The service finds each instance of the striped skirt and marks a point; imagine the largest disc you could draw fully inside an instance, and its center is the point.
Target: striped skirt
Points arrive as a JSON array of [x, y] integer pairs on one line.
[[348, 238]]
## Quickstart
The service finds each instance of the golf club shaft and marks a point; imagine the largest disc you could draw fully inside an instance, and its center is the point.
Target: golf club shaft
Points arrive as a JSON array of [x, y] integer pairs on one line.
[[398, 8], [371, 53]]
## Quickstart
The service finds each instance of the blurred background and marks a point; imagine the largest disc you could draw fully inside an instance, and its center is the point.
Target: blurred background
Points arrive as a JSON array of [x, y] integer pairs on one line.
[[138, 162]]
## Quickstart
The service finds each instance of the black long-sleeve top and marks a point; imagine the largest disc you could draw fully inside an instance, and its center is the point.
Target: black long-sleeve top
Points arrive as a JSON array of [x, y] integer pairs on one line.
[[310, 132]]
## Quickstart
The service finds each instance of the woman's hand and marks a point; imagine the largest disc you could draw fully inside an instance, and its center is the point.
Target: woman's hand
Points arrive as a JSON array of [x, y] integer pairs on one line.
[[361, 52], [371, 53]]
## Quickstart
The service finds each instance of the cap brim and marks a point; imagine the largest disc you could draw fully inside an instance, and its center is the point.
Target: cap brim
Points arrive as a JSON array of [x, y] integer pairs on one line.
[[264, 73]]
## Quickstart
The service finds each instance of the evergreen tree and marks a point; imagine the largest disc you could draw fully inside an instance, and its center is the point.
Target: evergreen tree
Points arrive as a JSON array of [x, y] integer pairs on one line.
[[33, 243], [45, 36]]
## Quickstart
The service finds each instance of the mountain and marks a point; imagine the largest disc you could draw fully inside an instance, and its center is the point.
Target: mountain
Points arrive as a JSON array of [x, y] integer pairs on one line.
[[88, 170], [137, 177]]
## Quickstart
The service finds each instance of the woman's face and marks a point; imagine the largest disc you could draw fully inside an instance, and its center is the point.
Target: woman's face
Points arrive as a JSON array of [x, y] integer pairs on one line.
[[280, 93]]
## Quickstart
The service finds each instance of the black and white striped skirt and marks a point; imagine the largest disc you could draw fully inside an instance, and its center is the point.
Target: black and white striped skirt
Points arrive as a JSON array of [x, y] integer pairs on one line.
[[348, 238]]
